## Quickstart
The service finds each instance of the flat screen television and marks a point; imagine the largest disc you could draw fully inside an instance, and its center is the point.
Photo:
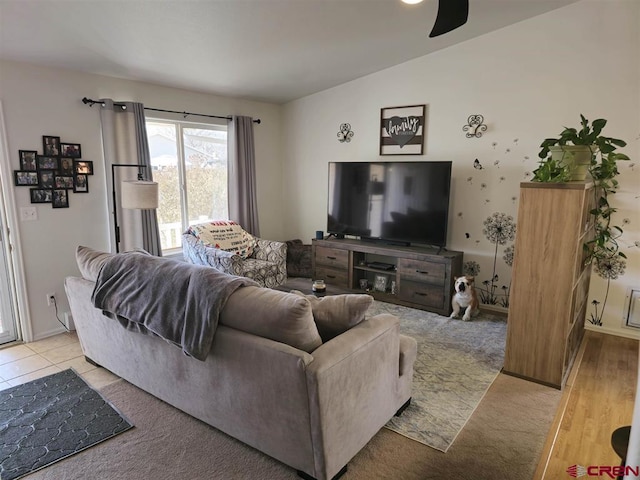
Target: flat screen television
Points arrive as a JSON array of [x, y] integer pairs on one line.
[[397, 202]]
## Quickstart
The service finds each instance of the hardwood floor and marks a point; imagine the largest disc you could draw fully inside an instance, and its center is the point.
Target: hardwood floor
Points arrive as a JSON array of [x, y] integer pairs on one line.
[[598, 398]]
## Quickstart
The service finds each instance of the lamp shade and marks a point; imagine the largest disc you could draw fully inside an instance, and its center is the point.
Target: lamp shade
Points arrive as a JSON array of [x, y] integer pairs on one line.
[[139, 194]]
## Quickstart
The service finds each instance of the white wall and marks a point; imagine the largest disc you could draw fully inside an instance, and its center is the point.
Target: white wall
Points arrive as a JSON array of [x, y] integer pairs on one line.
[[45, 101], [528, 80]]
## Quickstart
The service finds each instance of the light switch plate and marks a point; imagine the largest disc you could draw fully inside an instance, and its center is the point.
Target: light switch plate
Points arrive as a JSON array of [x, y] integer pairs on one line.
[[28, 214]]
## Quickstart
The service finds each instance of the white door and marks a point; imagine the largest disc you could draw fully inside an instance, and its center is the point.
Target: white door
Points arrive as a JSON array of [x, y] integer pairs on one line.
[[8, 330], [7, 314]]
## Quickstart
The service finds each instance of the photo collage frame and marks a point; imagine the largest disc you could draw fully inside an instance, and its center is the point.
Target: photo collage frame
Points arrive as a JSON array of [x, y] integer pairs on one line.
[[55, 173]]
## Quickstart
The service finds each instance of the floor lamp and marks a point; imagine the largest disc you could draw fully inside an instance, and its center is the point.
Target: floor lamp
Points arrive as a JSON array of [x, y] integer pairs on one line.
[[139, 194]]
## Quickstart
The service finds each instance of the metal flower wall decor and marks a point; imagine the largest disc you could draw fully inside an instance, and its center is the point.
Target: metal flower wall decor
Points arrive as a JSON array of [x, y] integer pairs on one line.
[[345, 134], [475, 126]]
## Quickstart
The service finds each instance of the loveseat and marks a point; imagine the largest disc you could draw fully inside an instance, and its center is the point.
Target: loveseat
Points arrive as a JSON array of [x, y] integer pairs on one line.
[[309, 394], [262, 260]]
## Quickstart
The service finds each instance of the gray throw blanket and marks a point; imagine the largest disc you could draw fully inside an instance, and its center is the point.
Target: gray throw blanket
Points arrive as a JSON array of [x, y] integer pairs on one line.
[[177, 301]]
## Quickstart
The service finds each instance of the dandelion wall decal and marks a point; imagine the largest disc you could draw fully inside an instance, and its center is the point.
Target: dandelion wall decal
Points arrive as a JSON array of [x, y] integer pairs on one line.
[[471, 268], [499, 228], [610, 269]]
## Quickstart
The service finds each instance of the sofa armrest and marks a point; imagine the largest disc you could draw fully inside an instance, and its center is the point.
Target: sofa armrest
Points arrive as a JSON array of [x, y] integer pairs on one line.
[[352, 383], [272, 251]]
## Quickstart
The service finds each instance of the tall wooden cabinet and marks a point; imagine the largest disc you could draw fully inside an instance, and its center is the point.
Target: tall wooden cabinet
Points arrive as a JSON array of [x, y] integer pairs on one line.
[[550, 282]]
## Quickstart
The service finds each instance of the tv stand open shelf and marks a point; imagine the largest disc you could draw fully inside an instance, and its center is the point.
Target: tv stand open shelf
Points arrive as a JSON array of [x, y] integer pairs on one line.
[[423, 277]]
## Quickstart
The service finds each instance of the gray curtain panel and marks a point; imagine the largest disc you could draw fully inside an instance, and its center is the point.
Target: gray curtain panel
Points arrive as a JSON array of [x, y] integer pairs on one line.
[[243, 197], [124, 140]]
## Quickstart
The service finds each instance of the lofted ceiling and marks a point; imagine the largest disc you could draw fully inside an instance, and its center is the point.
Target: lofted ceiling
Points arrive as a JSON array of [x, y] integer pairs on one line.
[[265, 50]]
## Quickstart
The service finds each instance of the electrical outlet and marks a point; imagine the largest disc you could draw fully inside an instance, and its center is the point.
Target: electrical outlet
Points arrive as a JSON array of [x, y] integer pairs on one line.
[[51, 299], [28, 214]]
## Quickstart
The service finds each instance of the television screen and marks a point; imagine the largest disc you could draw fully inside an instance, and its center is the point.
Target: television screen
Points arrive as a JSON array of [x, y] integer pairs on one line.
[[405, 202]]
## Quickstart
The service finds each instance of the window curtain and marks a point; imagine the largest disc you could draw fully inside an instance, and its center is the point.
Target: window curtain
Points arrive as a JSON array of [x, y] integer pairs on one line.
[[124, 140], [243, 199]]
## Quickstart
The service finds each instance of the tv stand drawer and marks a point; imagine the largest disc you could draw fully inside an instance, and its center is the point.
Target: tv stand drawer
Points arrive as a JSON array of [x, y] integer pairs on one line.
[[332, 276], [422, 271], [332, 257], [421, 294]]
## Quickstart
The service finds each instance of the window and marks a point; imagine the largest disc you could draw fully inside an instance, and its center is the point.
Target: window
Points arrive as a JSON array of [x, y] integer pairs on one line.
[[189, 163]]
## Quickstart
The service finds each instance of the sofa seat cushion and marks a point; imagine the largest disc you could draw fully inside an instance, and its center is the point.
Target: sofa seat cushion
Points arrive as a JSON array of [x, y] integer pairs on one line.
[[225, 235], [335, 314], [272, 314]]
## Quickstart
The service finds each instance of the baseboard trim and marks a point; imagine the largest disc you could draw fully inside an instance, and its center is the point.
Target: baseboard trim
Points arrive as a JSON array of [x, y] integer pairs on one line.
[[633, 334]]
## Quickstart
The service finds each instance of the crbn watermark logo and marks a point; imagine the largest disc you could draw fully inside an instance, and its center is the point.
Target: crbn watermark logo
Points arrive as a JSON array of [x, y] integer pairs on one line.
[[607, 471]]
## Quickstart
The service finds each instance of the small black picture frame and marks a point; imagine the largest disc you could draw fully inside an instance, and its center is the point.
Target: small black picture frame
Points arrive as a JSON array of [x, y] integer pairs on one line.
[[46, 162], [81, 183], [60, 198], [41, 195], [84, 167], [28, 160], [46, 178], [51, 146], [66, 166], [70, 150], [25, 178], [63, 181]]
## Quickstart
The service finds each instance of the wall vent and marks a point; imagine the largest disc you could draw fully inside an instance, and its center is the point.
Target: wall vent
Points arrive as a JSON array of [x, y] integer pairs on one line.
[[631, 312]]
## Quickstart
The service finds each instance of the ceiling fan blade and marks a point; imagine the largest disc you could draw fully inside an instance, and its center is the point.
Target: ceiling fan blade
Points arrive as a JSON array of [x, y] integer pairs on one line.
[[451, 15]]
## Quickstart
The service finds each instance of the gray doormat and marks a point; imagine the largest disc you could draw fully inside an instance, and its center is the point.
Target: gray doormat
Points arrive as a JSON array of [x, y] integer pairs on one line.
[[51, 418]]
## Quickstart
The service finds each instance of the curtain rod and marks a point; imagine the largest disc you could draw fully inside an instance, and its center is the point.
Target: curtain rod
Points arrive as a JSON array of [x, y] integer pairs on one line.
[[91, 103]]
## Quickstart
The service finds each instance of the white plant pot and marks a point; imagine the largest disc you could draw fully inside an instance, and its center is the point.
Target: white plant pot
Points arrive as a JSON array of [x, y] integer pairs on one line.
[[576, 157]]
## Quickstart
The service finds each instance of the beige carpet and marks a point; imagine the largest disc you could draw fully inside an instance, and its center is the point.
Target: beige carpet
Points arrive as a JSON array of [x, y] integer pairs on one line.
[[503, 439]]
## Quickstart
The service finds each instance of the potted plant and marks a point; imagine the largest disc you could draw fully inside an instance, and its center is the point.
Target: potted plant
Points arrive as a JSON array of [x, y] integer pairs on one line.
[[602, 250], [574, 151]]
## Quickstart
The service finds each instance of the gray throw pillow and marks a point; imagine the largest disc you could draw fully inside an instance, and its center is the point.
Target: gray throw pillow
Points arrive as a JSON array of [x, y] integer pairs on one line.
[[272, 314], [90, 262], [335, 314]]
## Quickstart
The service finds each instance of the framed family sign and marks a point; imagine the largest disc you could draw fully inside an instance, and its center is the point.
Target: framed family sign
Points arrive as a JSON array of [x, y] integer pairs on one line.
[[402, 130]]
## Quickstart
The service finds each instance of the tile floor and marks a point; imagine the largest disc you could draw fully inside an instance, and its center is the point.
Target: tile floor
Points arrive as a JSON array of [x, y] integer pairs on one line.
[[25, 362]]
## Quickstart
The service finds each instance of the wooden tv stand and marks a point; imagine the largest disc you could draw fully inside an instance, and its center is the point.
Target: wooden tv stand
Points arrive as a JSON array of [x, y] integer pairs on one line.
[[423, 276]]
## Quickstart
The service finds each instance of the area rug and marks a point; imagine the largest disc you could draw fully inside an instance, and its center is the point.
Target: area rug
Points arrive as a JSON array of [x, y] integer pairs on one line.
[[457, 362], [51, 418]]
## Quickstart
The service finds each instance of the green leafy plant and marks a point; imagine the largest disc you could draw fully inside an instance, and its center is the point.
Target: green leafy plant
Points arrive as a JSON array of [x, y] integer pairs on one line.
[[589, 134], [551, 171], [602, 251]]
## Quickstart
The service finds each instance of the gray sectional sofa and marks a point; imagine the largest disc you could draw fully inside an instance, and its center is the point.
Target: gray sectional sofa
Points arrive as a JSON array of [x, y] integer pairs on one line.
[[269, 380]]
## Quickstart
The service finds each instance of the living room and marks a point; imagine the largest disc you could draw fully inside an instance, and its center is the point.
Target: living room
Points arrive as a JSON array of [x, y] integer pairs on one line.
[[527, 80], [521, 78]]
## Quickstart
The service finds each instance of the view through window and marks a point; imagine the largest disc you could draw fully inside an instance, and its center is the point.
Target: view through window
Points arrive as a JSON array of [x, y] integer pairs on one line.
[[189, 163]]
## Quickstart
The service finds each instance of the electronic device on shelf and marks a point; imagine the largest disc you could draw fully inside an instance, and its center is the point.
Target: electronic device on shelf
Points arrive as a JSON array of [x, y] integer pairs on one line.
[[381, 266], [393, 202]]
